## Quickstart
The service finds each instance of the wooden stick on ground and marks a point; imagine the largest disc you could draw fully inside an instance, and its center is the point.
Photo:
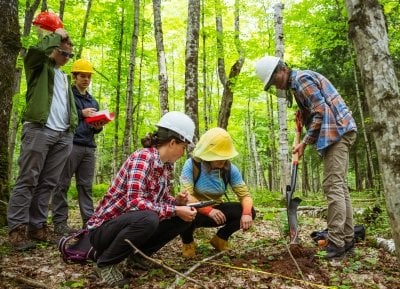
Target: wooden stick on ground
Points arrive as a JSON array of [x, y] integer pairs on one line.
[[25, 280], [194, 267], [136, 250], [290, 253]]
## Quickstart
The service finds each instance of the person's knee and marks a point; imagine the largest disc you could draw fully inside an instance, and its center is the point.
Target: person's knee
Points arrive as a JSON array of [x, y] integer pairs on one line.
[[148, 221]]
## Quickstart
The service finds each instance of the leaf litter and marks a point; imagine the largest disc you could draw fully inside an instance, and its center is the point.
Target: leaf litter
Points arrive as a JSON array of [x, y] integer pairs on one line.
[[259, 258]]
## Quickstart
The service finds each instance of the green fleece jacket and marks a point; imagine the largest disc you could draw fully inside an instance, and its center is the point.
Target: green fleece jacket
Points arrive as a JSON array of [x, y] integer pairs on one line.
[[39, 70]]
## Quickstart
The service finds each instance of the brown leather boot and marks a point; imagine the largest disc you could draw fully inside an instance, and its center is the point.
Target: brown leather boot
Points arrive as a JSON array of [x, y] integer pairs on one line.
[[42, 235], [189, 250], [219, 244], [19, 240]]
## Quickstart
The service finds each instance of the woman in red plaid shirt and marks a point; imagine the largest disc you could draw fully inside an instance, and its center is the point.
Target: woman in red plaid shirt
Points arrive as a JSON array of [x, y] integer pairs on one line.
[[138, 205]]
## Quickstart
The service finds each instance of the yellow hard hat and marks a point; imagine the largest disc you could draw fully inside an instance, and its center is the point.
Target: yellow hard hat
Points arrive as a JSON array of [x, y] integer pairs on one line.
[[82, 65], [215, 145]]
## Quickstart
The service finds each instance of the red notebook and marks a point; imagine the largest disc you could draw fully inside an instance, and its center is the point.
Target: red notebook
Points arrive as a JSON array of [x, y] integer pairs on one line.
[[102, 115]]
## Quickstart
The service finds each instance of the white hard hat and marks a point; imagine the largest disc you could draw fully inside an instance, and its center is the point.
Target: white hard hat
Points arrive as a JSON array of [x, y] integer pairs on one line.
[[265, 68], [179, 123]]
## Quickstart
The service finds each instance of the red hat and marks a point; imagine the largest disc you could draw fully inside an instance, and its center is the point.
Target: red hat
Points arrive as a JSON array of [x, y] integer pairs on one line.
[[48, 21]]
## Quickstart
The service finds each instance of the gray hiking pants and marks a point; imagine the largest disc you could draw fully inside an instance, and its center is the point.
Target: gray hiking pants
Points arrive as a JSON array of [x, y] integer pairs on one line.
[[340, 211], [42, 158], [80, 162]]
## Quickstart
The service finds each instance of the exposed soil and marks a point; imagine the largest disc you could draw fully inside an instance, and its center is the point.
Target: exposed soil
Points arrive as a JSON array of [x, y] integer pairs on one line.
[[258, 258]]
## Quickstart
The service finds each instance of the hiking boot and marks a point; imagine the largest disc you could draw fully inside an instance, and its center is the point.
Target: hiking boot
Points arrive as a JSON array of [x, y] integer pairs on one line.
[[189, 250], [333, 251], [19, 240], [112, 276], [62, 229], [137, 261], [349, 246], [42, 235], [219, 244]]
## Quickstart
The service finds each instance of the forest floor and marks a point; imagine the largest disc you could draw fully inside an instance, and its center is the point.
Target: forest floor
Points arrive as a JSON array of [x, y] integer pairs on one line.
[[259, 258]]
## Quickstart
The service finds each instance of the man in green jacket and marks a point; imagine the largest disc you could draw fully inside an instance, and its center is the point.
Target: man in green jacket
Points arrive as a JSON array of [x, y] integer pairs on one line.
[[49, 121]]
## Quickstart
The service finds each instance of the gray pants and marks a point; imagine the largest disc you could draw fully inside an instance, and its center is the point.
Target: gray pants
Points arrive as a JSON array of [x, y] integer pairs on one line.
[[340, 211], [81, 162], [42, 157]]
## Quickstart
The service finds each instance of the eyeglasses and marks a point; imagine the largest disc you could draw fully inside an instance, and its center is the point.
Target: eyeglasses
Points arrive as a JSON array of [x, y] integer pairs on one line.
[[65, 53]]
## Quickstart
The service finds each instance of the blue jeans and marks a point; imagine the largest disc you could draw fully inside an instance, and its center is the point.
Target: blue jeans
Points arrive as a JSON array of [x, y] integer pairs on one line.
[[42, 157]]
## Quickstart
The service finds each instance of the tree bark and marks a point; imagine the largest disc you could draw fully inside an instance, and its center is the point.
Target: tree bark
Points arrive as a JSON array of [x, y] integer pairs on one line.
[[228, 83], [282, 104], [129, 110], [191, 62], [367, 30], [206, 105], [116, 154], [9, 47], [162, 62]]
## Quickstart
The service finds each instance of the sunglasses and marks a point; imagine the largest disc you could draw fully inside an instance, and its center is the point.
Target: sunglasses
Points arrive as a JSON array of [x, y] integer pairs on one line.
[[65, 53]]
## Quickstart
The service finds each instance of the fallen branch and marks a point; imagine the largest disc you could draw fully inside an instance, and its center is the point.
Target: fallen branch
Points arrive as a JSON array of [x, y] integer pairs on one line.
[[25, 280], [136, 250], [194, 267]]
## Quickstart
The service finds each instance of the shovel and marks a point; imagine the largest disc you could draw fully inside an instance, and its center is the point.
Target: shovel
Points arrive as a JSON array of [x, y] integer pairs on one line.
[[293, 203]]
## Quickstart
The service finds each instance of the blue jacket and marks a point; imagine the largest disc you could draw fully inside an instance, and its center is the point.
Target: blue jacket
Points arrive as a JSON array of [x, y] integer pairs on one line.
[[84, 134]]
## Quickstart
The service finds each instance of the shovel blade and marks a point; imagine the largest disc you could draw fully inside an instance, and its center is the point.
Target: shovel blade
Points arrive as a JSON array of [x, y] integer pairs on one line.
[[293, 204]]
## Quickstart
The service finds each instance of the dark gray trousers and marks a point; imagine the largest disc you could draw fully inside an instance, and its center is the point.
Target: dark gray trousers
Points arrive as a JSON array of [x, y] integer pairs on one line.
[[42, 157], [80, 162]]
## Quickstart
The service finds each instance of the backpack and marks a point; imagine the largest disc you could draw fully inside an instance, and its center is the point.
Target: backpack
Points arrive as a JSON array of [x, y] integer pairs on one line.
[[76, 248], [359, 234], [226, 174]]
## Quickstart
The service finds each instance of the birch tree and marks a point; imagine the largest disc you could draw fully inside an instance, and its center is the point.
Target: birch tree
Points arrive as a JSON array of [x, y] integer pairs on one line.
[[282, 103], [162, 62], [9, 47], [367, 30]]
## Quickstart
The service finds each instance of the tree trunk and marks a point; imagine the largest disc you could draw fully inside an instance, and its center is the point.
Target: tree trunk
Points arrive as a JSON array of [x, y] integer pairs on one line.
[[191, 62], [9, 47], [15, 116], [283, 138], [116, 155], [129, 111], [371, 172], [206, 106], [367, 30], [62, 7], [273, 167], [85, 22], [162, 62], [227, 96]]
